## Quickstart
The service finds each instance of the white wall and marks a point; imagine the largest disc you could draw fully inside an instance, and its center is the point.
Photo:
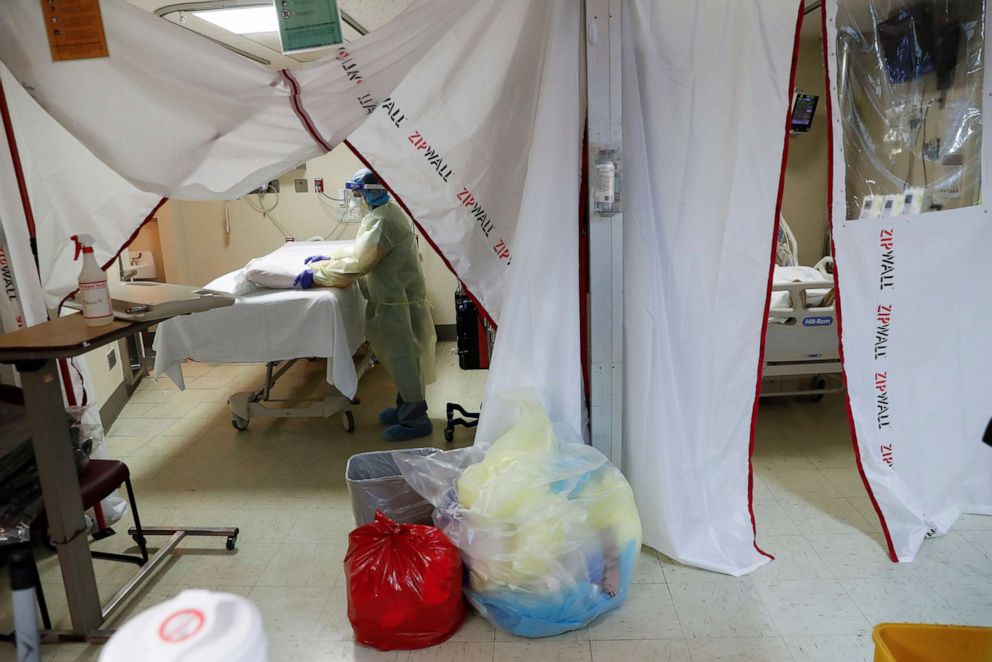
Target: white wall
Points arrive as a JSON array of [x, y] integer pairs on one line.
[[197, 248], [804, 201], [103, 380]]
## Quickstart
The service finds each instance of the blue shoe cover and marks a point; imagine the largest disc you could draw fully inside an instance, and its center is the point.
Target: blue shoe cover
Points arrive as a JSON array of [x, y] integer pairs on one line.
[[389, 416], [407, 432]]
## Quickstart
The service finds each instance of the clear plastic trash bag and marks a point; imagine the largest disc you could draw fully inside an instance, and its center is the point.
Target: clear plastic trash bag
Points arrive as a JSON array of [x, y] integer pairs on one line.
[[87, 435], [84, 434], [548, 530]]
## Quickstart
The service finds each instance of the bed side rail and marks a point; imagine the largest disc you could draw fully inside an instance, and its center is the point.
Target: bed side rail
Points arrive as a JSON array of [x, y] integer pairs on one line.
[[798, 298]]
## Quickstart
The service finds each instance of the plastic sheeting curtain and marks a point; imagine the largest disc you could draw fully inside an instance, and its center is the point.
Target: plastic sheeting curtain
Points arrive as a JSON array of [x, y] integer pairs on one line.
[[37, 153], [492, 87], [492, 176], [912, 234], [705, 103], [172, 114], [183, 117], [70, 192], [23, 302]]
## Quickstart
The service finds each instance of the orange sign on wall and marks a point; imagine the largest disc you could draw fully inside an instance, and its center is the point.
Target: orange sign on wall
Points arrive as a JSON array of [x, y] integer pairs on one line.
[[75, 29]]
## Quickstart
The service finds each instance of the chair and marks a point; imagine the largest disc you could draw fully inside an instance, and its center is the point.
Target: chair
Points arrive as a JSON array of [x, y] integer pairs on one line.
[[100, 479]]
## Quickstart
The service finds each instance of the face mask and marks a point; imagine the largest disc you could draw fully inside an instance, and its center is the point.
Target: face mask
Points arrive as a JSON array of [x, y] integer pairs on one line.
[[357, 209]]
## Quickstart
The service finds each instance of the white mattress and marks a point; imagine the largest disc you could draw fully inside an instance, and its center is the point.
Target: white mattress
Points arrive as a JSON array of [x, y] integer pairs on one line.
[[270, 325]]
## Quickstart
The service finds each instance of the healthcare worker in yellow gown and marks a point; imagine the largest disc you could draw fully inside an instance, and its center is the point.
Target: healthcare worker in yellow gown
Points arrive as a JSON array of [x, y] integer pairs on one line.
[[398, 322]]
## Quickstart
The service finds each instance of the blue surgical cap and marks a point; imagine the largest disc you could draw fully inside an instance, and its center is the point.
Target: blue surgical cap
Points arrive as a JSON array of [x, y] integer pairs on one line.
[[374, 197]]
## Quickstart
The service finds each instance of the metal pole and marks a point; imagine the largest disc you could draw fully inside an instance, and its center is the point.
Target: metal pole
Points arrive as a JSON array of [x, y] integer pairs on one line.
[[118, 599], [60, 489], [605, 232]]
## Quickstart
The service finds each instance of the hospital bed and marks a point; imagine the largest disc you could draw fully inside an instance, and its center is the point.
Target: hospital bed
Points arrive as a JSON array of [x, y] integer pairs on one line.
[[276, 327], [801, 341]]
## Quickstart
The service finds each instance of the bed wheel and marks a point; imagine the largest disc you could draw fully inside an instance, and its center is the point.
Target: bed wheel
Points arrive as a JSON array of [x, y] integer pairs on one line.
[[348, 421], [240, 424], [818, 383]]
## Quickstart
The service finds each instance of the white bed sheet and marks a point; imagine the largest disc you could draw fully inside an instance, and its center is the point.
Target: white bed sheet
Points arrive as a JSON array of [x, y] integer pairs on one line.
[[270, 325], [786, 275]]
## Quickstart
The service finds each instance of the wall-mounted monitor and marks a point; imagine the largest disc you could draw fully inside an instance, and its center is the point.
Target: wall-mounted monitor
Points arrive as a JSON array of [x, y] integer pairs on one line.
[[803, 109]]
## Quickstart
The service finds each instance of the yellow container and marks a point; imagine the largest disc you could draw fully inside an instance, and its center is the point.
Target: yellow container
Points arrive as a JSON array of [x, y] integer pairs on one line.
[[911, 642]]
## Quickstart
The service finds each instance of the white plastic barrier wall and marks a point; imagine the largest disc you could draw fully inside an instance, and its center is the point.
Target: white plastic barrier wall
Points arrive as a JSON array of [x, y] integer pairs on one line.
[[915, 298], [492, 177], [705, 103]]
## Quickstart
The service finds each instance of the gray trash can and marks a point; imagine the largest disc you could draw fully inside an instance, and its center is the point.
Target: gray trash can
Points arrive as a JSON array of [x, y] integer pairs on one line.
[[375, 483]]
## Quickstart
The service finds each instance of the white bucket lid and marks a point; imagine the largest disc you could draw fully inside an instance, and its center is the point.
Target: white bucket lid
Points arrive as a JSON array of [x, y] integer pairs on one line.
[[194, 626]]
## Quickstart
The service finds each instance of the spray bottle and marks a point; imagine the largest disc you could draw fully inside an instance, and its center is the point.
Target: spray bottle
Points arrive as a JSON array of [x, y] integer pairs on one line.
[[93, 290]]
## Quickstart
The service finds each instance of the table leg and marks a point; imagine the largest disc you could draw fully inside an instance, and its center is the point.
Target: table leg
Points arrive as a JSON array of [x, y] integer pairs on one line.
[[60, 489]]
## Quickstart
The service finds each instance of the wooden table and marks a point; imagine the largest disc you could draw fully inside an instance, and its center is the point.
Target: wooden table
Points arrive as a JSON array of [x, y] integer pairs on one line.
[[35, 351]]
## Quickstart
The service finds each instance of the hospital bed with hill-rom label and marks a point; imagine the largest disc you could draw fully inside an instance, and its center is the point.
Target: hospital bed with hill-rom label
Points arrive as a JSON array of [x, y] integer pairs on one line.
[[801, 342], [276, 327]]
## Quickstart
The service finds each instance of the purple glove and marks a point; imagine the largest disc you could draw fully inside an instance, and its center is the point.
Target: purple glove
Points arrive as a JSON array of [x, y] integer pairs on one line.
[[315, 258], [304, 281]]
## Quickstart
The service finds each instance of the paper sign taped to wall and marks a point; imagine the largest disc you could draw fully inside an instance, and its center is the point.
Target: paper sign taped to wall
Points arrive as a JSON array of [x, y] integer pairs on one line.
[[75, 29], [308, 24]]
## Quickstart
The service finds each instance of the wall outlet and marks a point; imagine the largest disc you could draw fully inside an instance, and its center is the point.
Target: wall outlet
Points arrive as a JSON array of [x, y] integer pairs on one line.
[[111, 360], [318, 185], [301, 185]]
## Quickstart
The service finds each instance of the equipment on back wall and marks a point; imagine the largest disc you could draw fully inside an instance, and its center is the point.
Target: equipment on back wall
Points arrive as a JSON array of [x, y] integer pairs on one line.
[[475, 347], [803, 110], [915, 43], [474, 343]]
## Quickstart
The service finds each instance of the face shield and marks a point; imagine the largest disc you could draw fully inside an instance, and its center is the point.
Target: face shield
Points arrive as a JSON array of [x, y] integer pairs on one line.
[[365, 184]]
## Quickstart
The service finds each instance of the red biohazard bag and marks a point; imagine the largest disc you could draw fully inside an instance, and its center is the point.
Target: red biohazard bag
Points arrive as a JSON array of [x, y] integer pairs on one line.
[[404, 585]]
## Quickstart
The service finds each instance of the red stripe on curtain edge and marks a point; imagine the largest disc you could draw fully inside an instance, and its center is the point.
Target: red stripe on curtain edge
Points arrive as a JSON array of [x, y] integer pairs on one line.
[[65, 371], [22, 188], [771, 271], [130, 240], [301, 113], [430, 241], [833, 250]]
